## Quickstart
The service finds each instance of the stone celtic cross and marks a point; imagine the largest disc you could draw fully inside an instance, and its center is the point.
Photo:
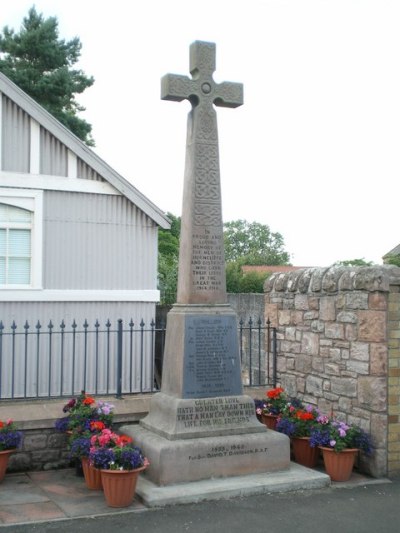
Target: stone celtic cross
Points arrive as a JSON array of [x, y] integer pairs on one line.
[[201, 277]]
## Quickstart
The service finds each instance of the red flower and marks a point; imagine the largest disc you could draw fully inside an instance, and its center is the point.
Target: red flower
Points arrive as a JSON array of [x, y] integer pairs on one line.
[[88, 400], [275, 393], [123, 440], [97, 425], [1, 424], [303, 415]]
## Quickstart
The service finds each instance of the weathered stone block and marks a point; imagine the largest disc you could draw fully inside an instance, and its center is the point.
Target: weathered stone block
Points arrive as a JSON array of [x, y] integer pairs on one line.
[[271, 313], [317, 326], [372, 326], [284, 317], [310, 343], [356, 300], [314, 385], [359, 367], [344, 386], [303, 363], [333, 330], [327, 310], [318, 364], [347, 316], [301, 302], [372, 392], [332, 369], [35, 441], [378, 301]]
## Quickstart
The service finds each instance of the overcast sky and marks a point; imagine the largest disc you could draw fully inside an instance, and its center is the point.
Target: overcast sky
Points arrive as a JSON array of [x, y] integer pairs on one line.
[[313, 152]]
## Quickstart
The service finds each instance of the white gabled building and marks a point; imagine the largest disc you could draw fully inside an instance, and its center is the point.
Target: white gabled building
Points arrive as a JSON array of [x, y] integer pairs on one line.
[[77, 240]]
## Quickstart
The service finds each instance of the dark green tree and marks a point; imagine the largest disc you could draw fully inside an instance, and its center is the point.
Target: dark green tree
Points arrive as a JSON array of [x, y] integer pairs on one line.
[[41, 64], [252, 243]]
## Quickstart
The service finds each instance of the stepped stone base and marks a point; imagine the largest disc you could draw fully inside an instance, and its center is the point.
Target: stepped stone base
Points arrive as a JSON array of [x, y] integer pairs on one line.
[[184, 460]]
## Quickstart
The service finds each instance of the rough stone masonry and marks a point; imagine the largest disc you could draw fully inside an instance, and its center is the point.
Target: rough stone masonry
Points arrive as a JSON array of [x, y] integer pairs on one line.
[[201, 425]]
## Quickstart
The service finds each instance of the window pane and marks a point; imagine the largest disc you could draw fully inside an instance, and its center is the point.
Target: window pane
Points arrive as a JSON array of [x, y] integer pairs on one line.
[[19, 271], [9, 213], [2, 270], [19, 242], [2, 242]]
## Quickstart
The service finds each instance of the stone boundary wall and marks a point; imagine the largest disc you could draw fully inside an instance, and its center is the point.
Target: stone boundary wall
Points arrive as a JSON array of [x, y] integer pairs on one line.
[[339, 348], [45, 448]]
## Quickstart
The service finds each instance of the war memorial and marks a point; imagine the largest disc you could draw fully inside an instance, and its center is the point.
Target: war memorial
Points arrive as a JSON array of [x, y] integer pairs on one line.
[[201, 426]]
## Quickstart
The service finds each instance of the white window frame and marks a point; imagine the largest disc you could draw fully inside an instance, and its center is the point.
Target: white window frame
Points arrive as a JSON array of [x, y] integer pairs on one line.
[[32, 200]]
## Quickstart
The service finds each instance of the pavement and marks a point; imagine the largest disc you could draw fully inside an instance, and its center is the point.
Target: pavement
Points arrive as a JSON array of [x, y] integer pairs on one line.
[[59, 500]]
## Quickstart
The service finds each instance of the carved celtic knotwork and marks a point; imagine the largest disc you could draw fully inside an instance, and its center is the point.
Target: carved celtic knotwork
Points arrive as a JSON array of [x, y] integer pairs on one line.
[[207, 215], [207, 191]]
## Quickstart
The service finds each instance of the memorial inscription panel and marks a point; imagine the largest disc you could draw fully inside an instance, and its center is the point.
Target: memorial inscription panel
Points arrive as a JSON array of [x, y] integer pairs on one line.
[[215, 413], [211, 366]]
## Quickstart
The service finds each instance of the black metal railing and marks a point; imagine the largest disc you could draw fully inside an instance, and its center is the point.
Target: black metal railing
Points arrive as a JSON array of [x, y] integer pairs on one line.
[[40, 362]]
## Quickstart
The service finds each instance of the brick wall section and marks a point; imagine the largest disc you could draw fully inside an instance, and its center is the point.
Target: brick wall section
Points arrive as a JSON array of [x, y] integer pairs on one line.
[[394, 383], [338, 348]]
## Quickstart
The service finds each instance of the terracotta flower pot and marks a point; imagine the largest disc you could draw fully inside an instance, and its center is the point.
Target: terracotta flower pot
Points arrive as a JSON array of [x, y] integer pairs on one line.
[[92, 475], [4, 456], [120, 486], [339, 465], [303, 453], [269, 420]]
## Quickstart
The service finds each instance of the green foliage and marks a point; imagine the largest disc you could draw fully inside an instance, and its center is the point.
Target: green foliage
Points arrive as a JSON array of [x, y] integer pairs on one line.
[[168, 254], [245, 243], [353, 262], [393, 260], [253, 244], [168, 278], [40, 63], [237, 282]]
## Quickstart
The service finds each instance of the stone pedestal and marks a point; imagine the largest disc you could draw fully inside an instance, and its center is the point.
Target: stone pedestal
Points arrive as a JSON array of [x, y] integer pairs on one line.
[[183, 460], [202, 425]]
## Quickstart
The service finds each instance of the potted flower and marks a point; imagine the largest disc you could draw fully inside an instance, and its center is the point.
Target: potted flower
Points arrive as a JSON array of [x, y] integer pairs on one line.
[[120, 463], [83, 410], [84, 415], [10, 440], [340, 443], [275, 403], [297, 422]]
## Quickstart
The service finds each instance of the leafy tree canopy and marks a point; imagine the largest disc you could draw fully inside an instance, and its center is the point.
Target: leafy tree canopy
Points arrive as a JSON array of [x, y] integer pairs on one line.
[[40, 63], [252, 243]]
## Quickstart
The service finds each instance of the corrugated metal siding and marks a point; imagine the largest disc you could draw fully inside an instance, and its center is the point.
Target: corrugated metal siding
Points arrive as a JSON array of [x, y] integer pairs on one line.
[[97, 242], [15, 137], [53, 155], [86, 172], [47, 364]]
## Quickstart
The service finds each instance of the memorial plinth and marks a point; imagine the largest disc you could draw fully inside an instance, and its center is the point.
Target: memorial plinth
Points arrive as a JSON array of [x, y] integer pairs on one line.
[[201, 425]]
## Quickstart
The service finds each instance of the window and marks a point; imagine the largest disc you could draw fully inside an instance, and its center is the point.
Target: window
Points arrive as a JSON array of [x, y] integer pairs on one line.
[[20, 238], [15, 245]]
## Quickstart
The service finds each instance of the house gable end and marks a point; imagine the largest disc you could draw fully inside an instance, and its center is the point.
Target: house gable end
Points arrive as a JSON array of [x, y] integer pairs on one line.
[[58, 151]]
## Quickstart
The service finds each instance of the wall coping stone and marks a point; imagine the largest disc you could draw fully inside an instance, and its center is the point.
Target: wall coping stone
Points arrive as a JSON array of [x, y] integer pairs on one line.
[[335, 278]]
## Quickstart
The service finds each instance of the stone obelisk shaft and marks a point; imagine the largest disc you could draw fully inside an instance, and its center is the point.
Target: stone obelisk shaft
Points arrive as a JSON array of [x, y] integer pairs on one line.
[[201, 277]]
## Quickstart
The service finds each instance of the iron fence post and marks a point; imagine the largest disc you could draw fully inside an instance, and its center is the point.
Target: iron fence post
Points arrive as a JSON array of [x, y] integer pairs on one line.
[[119, 359]]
